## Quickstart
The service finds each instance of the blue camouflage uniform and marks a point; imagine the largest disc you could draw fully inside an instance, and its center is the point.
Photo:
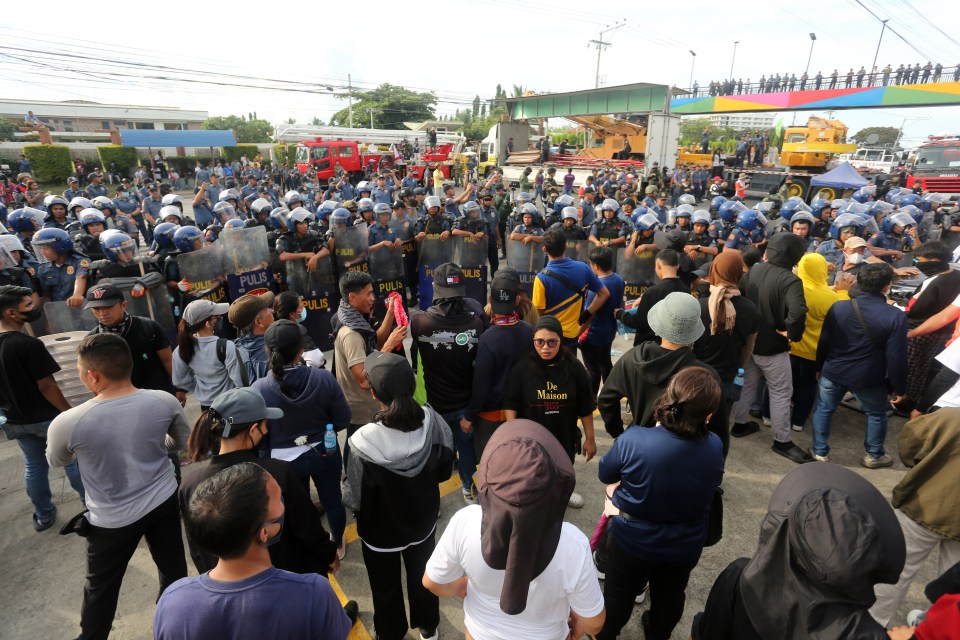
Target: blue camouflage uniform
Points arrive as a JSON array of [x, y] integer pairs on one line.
[[884, 240], [737, 239]]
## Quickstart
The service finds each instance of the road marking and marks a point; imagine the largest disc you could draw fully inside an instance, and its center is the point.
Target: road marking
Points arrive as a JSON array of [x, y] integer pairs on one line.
[[359, 631], [446, 488]]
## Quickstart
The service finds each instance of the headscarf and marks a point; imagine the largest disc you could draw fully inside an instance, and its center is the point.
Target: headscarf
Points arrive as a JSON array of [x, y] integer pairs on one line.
[[724, 278], [525, 481], [347, 316], [829, 536]]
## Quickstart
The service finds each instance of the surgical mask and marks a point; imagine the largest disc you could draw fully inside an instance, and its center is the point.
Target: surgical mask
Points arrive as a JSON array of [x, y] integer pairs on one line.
[[855, 258], [303, 315], [33, 315]]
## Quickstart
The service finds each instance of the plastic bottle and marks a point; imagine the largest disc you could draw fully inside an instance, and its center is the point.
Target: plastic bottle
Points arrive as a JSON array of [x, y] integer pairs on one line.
[[739, 379], [330, 439], [3, 418]]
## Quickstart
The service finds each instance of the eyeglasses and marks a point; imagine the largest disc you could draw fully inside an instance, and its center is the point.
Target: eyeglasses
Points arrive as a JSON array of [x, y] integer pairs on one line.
[[540, 342]]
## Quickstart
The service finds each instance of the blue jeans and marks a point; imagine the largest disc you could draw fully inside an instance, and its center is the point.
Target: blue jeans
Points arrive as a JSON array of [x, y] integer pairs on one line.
[[466, 451], [325, 471], [872, 400], [37, 479]]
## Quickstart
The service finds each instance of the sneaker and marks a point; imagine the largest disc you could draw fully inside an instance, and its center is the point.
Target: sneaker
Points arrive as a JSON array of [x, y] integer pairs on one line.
[[576, 501], [42, 525], [468, 496], [429, 634], [819, 458], [352, 609], [342, 551], [742, 429], [643, 595], [876, 462], [797, 427], [755, 413], [767, 422]]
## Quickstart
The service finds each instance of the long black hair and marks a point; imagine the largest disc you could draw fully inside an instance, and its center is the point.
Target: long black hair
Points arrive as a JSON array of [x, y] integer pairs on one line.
[[187, 339], [205, 437], [280, 358], [403, 414]]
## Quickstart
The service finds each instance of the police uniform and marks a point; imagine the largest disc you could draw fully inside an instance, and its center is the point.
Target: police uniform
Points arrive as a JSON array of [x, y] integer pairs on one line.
[[16, 276], [89, 246], [434, 225], [377, 234], [311, 242], [719, 230], [588, 213], [737, 239], [249, 194], [701, 239], [115, 270], [57, 281], [70, 194], [381, 196], [609, 229], [532, 230], [125, 205], [92, 191], [490, 219], [885, 240]]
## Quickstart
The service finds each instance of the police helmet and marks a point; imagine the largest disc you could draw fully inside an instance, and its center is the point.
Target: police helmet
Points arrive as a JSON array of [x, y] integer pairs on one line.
[[225, 210], [212, 232], [340, 216], [838, 203], [381, 208], [117, 245], [897, 218], [261, 205], [300, 215], [523, 198], [701, 217], [58, 239], [365, 204], [407, 192], [172, 199], [609, 204], [364, 186], [844, 221], [803, 216], [531, 209], [278, 219], [685, 211], [906, 200], [11, 243], [566, 200], [470, 208], [26, 220], [419, 191], [163, 233], [91, 216], [81, 202], [817, 206], [880, 208], [715, 204], [103, 202], [54, 201], [893, 193], [913, 212], [171, 210], [647, 221], [234, 223], [730, 209], [748, 220], [432, 201], [189, 238], [792, 207], [292, 198], [229, 194], [687, 199], [863, 194], [931, 201], [568, 213], [327, 207]]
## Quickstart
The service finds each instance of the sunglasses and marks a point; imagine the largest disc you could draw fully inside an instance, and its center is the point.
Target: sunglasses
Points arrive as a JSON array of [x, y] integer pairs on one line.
[[540, 342]]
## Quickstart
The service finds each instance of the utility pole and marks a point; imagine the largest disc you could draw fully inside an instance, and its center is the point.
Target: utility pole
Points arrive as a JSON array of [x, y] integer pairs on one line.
[[601, 45], [882, 29], [733, 58], [813, 39], [350, 100], [371, 117], [692, 62]]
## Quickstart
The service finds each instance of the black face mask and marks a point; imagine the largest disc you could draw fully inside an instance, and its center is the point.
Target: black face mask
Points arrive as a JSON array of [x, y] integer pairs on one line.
[[932, 267], [33, 315]]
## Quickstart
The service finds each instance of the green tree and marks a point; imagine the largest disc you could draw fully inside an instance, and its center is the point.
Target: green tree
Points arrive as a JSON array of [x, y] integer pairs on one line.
[[246, 130], [476, 106], [291, 121], [317, 122], [7, 129], [885, 136], [391, 105], [518, 91]]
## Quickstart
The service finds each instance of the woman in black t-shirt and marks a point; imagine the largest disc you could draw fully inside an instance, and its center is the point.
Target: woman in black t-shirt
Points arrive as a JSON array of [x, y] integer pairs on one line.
[[551, 387]]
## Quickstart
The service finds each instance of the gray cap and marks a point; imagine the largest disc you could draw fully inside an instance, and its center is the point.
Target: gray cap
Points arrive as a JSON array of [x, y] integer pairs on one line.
[[199, 310], [390, 375], [241, 407], [677, 318]]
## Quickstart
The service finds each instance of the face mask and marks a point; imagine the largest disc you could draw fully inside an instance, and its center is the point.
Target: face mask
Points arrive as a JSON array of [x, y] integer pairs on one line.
[[33, 315], [931, 268], [303, 315], [855, 258], [269, 542]]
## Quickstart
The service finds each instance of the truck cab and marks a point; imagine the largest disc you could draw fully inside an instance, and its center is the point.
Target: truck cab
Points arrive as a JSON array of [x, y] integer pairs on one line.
[[936, 165]]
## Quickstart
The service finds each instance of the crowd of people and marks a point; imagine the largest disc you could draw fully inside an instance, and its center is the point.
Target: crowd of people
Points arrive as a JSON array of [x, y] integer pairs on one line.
[[770, 314], [883, 77]]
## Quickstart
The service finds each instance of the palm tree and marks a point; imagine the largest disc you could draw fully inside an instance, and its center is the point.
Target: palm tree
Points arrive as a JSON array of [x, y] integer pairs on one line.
[[518, 90]]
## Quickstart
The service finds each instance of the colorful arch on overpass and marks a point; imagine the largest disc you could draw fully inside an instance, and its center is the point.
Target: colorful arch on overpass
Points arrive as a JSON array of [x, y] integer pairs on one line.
[[912, 95]]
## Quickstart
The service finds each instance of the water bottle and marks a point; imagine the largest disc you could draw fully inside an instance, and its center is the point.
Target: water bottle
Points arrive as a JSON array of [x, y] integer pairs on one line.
[[330, 439], [3, 418], [739, 379]]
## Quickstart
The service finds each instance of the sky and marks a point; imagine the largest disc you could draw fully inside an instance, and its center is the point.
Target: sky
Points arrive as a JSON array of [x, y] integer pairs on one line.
[[457, 49]]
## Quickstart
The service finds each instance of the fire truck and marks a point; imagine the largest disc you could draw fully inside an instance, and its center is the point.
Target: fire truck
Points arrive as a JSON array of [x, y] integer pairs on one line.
[[329, 150], [936, 165]]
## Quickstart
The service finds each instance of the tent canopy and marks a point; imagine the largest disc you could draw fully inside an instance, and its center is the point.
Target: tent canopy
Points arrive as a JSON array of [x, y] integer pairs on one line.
[[843, 177], [159, 138]]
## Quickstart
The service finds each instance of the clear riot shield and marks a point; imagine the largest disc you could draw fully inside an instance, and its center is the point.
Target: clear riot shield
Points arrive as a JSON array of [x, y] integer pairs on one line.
[[63, 348], [155, 305], [526, 260], [59, 317], [638, 272], [350, 247], [578, 250], [318, 289], [432, 253], [246, 261], [386, 269], [471, 255], [203, 269], [405, 228]]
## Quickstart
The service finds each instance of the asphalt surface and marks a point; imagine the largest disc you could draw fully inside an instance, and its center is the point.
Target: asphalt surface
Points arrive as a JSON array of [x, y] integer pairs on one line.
[[44, 572]]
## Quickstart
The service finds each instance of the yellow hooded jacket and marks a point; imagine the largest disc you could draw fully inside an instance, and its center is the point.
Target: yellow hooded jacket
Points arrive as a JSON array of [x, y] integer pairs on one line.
[[812, 271]]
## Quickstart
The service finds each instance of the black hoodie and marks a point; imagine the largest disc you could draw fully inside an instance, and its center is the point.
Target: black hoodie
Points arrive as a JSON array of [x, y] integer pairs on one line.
[[778, 295], [641, 376]]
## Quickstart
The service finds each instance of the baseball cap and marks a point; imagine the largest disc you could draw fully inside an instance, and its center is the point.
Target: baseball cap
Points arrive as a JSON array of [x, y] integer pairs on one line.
[[103, 295], [650, 189], [854, 242], [504, 290], [71, 180], [283, 335], [448, 281], [244, 309], [677, 318], [199, 310], [242, 406], [670, 239], [390, 375]]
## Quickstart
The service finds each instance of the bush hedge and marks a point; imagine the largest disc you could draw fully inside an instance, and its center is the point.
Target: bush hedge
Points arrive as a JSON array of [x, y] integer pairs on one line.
[[50, 162], [125, 157], [233, 153], [285, 154]]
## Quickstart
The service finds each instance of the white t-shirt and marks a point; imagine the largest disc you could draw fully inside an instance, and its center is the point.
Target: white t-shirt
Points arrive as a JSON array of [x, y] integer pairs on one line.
[[950, 358], [568, 583]]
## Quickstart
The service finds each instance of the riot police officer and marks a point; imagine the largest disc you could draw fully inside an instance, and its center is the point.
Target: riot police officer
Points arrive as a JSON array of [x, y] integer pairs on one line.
[[64, 274], [301, 242], [609, 230]]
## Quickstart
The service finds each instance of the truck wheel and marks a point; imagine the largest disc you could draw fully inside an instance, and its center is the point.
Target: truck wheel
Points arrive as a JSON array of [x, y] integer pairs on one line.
[[827, 193], [799, 188]]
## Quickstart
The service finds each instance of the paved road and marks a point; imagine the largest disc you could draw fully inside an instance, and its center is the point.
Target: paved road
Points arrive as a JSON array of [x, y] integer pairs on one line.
[[44, 573]]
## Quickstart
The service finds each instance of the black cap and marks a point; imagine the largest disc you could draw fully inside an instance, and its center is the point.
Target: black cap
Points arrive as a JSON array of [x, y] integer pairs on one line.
[[398, 205], [448, 281], [283, 335], [390, 375], [504, 290], [103, 295], [671, 239]]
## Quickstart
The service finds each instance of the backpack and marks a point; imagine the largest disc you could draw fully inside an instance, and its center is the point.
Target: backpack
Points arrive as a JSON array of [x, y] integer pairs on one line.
[[222, 357]]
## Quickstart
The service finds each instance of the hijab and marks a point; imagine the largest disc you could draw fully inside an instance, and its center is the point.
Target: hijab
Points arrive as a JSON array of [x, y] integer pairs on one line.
[[724, 278], [828, 537], [525, 481]]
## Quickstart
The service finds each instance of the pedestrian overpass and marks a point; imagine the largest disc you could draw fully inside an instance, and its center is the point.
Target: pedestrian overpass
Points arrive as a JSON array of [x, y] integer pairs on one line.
[[912, 95]]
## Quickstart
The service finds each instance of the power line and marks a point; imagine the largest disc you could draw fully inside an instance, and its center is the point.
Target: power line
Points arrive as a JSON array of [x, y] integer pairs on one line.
[[892, 30]]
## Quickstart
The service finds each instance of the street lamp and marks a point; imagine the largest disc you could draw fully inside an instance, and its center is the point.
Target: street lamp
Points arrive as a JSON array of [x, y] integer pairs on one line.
[[733, 58], [882, 29], [692, 62], [813, 39]]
